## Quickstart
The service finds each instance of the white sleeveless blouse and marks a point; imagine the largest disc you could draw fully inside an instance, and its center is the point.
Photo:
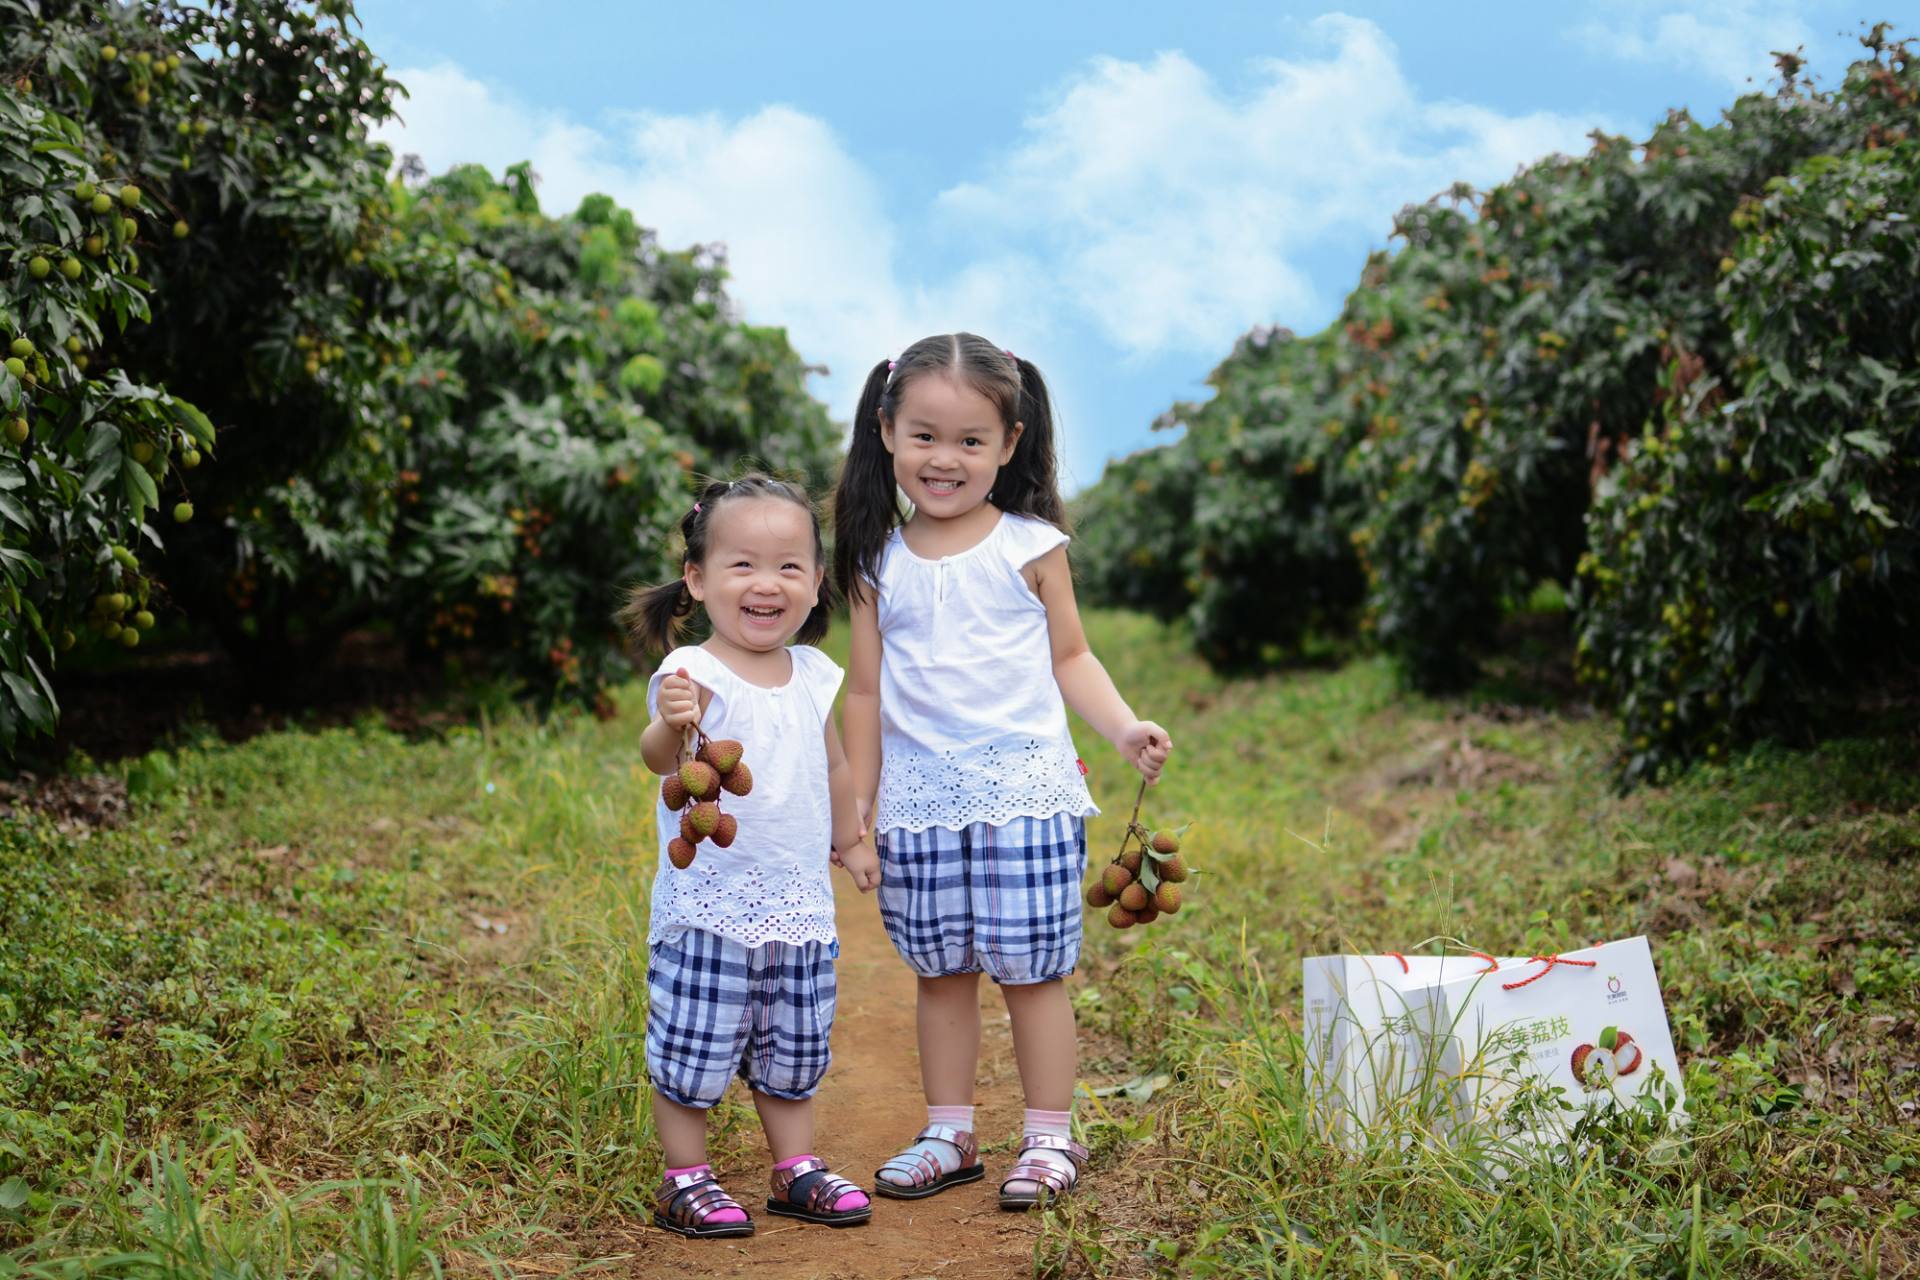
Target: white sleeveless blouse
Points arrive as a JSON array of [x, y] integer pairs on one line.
[[972, 724], [774, 884]]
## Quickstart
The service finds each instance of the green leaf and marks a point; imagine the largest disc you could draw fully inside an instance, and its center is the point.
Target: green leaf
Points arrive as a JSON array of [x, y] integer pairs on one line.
[[13, 1193], [193, 420], [140, 488], [28, 699]]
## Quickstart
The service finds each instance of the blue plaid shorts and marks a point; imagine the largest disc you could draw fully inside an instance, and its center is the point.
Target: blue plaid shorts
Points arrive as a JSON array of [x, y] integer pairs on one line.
[[717, 1009], [1000, 900]]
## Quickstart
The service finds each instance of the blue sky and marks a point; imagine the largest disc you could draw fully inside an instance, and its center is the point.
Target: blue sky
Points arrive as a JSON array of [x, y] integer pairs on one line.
[[1115, 191]]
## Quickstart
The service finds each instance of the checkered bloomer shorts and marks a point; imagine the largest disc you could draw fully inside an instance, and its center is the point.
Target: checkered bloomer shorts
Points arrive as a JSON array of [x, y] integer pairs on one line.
[[1000, 900], [717, 1009]]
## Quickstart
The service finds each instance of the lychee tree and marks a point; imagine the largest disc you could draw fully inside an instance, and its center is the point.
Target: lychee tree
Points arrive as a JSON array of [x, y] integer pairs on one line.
[[1486, 380], [88, 447]]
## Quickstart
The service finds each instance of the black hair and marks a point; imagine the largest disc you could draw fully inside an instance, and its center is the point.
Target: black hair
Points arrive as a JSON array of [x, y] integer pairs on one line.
[[655, 616], [865, 502]]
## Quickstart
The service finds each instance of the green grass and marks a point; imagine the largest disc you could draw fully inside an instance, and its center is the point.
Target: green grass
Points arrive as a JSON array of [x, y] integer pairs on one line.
[[270, 1026]]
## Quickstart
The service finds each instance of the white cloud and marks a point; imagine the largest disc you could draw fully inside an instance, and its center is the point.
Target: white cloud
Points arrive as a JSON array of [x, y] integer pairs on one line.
[[1145, 207], [1175, 213], [1732, 41]]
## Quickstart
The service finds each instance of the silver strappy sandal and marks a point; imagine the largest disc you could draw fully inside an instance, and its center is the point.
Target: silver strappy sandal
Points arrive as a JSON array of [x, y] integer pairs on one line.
[[917, 1175], [1049, 1182]]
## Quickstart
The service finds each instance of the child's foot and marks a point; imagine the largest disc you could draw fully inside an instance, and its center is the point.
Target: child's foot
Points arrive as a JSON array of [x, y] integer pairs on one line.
[[1049, 1167], [941, 1157], [691, 1203], [802, 1188]]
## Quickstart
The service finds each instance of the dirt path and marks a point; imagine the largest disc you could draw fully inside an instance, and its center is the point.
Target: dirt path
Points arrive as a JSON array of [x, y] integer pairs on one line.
[[869, 1106]]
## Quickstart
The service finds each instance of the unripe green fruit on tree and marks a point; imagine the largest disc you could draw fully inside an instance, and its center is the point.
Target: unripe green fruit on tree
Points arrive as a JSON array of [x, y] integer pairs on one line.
[[16, 366], [21, 347], [96, 245], [125, 557], [144, 58], [184, 128], [143, 620], [83, 190], [37, 267], [129, 228], [101, 202], [173, 62], [182, 512], [200, 128], [70, 268], [17, 431], [180, 229], [130, 196], [190, 459], [142, 452], [141, 97], [119, 602], [75, 346], [129, 637], [66, 641], [108, 52]]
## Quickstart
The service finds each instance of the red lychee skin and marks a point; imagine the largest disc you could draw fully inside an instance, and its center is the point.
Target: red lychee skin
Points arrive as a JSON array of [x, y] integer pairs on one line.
[[1580, 1055], [728, 827], [1626, 1054]]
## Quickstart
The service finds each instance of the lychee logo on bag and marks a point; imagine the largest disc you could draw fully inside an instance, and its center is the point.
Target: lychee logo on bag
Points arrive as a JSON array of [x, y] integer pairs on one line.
[[1597, 1065], [1616, 990]]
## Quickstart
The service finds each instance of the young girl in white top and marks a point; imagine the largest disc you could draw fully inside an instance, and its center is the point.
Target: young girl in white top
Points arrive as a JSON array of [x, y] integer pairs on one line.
[[967, 649], [740, 973]]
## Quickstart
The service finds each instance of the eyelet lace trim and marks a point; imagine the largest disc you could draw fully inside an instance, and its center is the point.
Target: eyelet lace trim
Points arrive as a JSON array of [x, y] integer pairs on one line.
[[1021, 778], [746, 904]]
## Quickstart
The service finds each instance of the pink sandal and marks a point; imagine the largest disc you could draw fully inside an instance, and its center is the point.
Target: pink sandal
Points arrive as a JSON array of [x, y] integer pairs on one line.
[[920, 1176], [1049, 1183], [807, 1191], [686, 1205]]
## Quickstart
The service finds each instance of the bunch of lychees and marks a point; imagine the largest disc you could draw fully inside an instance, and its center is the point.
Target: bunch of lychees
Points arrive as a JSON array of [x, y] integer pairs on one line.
[[1143, 882], [708, 766]]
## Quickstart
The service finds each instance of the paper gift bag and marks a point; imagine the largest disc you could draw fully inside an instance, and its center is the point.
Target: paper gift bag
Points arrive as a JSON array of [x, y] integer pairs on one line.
[[1361, 1050], [1527, 1051]]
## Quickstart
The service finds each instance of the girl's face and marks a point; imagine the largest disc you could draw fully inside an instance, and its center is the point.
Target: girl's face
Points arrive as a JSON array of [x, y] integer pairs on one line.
[[760, 579], [948, 444]]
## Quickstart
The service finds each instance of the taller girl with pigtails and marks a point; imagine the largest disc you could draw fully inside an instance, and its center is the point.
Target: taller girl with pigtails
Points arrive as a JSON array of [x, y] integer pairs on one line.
[[967, 649]]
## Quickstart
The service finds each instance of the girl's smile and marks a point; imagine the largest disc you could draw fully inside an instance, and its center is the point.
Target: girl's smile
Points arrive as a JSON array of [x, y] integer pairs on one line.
[[759, 580], [948, 444]]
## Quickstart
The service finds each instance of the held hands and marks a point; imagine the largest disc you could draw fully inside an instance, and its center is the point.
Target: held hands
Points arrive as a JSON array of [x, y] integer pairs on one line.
[[861, 862], [1146, 747], [679, 701]]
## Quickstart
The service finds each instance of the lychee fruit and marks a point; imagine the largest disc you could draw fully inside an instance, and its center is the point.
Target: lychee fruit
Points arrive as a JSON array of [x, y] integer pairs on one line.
[[1167, 898], [699, 778], [1174, 870], [1121, 918], [1097, 895], [738, 780], [722, 754], [1626, 1054], [1134, 897], [1148, 916], [1116, 878], [705, 817], [679, 853], [1131, 860], [673, 792], [1164, 842], [725, 830], [1593, 1066]]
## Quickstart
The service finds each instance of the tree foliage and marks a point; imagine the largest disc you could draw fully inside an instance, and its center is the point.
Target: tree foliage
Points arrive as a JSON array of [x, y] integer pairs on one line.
[[270, 391], [1680, 371]]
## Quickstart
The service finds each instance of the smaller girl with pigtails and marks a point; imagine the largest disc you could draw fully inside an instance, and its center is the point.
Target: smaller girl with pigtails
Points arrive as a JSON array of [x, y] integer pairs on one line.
[[740, 976], [967, 650]]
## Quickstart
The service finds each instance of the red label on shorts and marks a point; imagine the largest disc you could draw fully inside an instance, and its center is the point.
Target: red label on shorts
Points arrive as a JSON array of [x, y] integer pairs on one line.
[[1083, 765]]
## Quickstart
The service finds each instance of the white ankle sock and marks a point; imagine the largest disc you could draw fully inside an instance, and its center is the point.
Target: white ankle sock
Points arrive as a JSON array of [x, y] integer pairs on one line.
[[943, 1154], [1056, 1124]]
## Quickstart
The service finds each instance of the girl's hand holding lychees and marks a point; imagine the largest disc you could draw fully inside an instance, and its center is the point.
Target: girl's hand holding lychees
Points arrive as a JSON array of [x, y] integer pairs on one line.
[[1146, 747], [679, 701]]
